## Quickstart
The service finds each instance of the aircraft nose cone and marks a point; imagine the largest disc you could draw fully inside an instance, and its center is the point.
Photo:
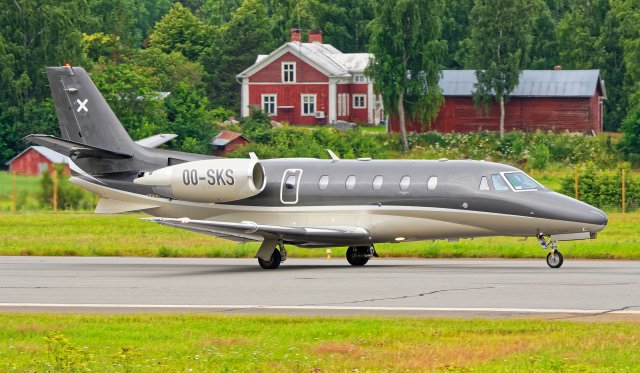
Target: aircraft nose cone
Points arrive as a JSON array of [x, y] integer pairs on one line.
[[594, 217]]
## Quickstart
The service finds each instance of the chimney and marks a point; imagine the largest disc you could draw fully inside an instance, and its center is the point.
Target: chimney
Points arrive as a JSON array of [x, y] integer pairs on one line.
[[557, 67], [315, 36], [296, 35]]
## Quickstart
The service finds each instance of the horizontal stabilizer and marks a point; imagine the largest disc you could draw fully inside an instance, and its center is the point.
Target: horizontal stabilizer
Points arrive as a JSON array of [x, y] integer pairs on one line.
[[112, 206], [73, 149], [156, 140]]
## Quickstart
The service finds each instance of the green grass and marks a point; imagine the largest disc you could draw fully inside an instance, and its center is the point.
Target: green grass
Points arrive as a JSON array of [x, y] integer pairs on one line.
[[125, 235], [171, 343]]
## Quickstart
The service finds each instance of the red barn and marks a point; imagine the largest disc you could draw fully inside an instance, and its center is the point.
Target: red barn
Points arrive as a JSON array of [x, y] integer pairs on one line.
[[36, 159], [311, 83], [557, 100], [226, 142]]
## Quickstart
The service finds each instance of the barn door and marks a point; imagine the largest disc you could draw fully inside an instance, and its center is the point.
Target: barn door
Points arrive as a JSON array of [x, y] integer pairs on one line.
[[290, 186]]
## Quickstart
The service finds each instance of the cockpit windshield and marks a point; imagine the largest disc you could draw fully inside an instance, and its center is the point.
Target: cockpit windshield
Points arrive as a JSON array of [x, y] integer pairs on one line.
[[521, 181]]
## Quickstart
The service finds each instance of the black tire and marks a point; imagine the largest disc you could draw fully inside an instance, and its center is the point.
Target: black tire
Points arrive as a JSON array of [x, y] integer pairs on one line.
[[272, 263], [354, 259], [555, 259]]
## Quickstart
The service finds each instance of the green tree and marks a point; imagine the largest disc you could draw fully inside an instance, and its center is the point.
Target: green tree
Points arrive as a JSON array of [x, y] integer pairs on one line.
[[544, 49], [628, 15], [590, 37], [33, 35], [179, 30], [236, 45], [630, 143], [501, 38], [132, 93], [407, 63], [456, 30]]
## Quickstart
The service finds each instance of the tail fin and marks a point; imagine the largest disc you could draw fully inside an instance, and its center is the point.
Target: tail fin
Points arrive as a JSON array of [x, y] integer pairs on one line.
[[83, 114]]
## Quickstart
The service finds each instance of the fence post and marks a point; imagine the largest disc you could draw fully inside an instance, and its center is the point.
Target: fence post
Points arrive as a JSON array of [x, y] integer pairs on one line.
[[14, 193], [575, 184], [55, 190], [623, 193]]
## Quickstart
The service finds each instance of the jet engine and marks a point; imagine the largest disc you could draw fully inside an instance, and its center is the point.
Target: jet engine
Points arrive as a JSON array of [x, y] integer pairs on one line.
[[211, 180]]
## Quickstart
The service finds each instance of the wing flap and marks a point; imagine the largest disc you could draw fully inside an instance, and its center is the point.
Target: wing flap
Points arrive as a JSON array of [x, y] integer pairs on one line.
[[257, 232]]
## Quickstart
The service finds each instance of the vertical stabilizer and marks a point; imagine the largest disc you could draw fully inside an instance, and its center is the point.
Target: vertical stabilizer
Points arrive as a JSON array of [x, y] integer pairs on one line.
[[83, 114]]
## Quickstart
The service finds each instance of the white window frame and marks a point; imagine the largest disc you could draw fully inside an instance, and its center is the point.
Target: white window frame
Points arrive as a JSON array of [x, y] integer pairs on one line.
[[275, 103], [284, 70], [364, 101], [315, 105]]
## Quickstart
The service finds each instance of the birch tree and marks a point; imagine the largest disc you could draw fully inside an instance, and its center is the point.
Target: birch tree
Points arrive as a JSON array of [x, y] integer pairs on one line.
[[408, 54], [501, 36]]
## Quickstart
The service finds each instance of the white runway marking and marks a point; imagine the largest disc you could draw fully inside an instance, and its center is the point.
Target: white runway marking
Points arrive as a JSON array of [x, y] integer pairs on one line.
[[318, 308]]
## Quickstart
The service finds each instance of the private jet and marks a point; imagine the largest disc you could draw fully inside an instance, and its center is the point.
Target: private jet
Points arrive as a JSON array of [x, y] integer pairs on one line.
[[313, 203]]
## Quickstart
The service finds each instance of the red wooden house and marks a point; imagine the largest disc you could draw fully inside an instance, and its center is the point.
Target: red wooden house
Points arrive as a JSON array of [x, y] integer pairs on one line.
[[36, 159], [549, 100], [226, 142], [311, 83]]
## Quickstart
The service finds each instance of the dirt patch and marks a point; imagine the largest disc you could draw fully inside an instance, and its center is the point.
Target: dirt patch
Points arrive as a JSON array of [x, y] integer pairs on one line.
[[223, 342], [450, 357], [36, 328], [338, 348]]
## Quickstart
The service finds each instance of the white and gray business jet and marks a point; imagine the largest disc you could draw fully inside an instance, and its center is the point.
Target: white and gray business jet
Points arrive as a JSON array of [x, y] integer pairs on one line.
[[300, 201]]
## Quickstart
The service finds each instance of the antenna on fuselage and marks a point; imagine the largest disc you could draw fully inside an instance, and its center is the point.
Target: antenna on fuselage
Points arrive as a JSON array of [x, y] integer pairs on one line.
[[332, 155]]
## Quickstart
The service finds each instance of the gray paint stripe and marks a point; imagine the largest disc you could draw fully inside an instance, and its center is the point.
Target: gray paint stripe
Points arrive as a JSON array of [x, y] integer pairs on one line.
[[318, 308]]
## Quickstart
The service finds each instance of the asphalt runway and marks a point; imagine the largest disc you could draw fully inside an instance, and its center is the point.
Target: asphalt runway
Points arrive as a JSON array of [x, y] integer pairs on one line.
[[580, 290]]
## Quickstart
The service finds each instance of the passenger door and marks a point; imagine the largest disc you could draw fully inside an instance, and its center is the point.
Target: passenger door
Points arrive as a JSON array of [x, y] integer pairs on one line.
[[290, 186]]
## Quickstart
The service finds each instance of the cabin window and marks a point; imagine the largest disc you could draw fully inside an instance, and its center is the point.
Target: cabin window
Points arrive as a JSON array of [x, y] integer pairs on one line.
[[350, 183], [290, 183], [498, 183], [269, 104], [323, 183], [377, 182], [521, 181], [484, 183], [288, 72], [308, 104], [359, 101], [432, 183], [405, 182]]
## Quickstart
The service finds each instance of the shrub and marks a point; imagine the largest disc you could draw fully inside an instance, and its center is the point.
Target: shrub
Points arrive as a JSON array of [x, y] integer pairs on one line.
[[603, 189]]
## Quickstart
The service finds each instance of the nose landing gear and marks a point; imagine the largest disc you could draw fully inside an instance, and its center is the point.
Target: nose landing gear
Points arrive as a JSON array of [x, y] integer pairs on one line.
[[554, 258]]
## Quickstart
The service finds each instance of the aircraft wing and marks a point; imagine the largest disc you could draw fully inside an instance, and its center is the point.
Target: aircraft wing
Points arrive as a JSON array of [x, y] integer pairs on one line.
[[250, 231]]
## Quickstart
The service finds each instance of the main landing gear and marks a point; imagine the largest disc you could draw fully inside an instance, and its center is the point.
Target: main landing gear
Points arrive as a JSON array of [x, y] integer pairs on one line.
[[554, 258], [278, 255], [358, 256]]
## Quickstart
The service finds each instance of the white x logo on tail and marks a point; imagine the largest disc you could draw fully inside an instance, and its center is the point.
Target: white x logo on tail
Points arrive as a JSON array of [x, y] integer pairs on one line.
[[83, 105]]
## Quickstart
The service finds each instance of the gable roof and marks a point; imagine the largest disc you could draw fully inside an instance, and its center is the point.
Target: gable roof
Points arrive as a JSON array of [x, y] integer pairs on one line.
[[324, 57], [224, 137], [53, 157], [533, 83]]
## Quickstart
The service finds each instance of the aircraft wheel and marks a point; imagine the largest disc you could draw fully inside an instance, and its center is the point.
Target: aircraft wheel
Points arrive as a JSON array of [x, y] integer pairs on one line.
[[355, 258], [272, 263], [555, 259]]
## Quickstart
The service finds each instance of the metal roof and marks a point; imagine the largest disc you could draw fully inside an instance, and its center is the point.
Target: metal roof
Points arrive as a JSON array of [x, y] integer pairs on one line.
[[324, 56], [224, 137], [533, 83], [53, 157]]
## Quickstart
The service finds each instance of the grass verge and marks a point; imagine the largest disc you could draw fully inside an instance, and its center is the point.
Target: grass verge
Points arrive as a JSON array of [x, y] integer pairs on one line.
[[74, 234], [199, 343]]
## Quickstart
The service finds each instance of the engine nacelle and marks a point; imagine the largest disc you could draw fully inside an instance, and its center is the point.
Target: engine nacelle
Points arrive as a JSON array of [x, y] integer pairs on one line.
[[211, 180]]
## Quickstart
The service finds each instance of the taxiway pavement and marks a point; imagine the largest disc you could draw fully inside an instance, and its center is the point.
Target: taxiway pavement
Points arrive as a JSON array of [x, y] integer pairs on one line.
[[580, 290]]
